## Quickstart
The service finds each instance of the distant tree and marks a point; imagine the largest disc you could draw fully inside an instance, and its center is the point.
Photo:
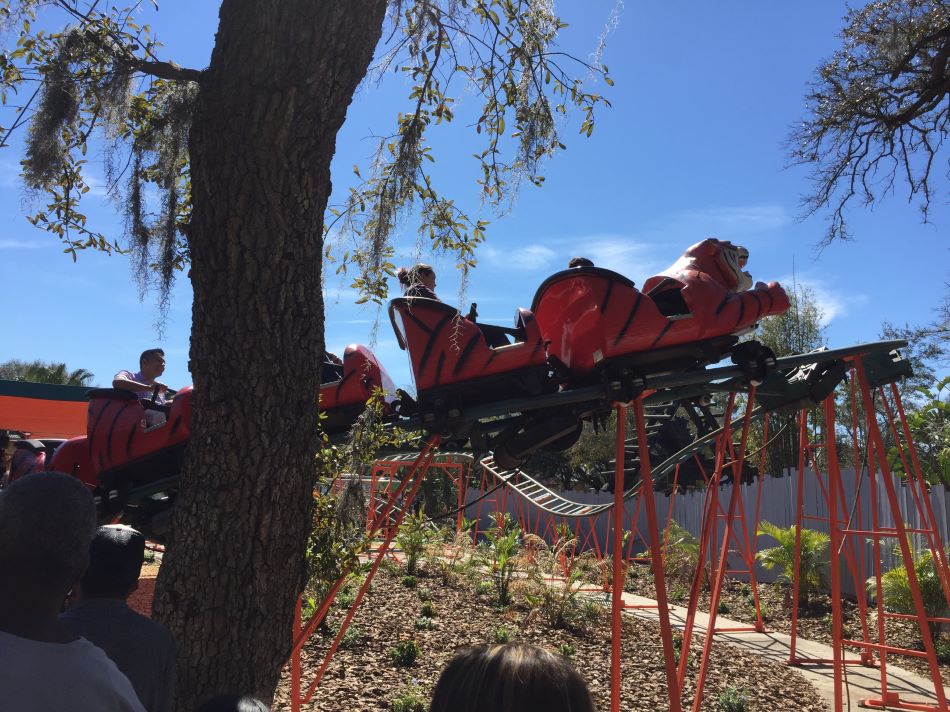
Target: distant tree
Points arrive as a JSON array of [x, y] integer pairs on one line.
[[878, 110], [928, 419], [43, 372], [799, 330]]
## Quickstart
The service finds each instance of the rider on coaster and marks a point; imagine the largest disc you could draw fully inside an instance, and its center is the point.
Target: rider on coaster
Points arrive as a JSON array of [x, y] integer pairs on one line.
[[419, 281], [143, 383]]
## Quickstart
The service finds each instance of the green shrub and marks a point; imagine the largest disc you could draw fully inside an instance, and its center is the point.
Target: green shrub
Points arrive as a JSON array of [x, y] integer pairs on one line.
[[567, 650], [732, 699], [345, 598], [427, 610], [943, 651], [501, 635], [424, 624], [409, 581], [484, 588], [722, 608], [352, 637], [812, 559], [680, 554], [424, 595], [415, 536], [405, 652], [411, 699], [679, 592], [896, 592]]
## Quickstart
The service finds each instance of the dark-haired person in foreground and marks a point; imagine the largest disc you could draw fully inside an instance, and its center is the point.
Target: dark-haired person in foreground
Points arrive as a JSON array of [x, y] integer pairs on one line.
[[510, 678], [143, 649], [47, 521]]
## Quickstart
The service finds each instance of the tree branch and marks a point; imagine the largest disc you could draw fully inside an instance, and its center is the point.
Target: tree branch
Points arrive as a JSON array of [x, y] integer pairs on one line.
[[168, 70]]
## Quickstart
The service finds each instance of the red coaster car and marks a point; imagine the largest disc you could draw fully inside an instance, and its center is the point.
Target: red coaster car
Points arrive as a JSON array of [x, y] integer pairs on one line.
[[592, 318], [454, 364], [346, 387], [117, 450]]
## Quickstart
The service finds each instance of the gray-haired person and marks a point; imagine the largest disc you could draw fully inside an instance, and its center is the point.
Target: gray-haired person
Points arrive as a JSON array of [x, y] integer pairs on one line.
[[47, 521], [143, 649]]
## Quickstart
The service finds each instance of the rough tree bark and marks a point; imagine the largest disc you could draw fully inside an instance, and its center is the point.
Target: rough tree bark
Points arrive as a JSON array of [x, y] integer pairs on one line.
[[282, 75]]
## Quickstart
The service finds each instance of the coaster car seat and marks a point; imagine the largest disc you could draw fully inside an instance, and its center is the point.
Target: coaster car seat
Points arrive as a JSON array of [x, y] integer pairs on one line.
[[592, 318], [453, 363], [118, 448], [345, 389]]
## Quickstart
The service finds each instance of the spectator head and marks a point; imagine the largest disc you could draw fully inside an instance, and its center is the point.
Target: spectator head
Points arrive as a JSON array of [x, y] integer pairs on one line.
[[579, 262], [233, 703], [510, 678], [419, 274], [47, 521], [152, 363], [116, 556]]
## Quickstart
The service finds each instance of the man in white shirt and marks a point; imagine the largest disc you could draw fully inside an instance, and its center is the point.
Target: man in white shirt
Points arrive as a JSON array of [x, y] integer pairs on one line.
[[143, 383], [47, 521]]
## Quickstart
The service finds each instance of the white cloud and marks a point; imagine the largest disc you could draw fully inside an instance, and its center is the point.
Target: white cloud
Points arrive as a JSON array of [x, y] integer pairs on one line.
[[528, 257], [833, 303], [738, 220], [25, 244]]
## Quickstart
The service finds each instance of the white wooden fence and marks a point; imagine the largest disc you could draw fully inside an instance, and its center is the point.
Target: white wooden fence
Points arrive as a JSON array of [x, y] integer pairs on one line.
[[777, 505]]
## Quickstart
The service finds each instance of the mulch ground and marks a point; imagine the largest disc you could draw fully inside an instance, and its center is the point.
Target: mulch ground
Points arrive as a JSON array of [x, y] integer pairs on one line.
[[814, 620], [141, 598], [363, 676]]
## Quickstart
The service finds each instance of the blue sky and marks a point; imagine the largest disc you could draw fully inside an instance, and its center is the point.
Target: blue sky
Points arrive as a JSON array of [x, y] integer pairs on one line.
[[704, 97]]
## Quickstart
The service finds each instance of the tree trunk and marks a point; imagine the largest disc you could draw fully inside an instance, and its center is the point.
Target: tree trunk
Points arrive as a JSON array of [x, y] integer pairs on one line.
[[282, 75]]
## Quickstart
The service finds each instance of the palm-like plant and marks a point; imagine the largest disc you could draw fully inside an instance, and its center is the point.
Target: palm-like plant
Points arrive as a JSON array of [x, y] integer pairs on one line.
[[812, 558], [43, 372], [499, 553]]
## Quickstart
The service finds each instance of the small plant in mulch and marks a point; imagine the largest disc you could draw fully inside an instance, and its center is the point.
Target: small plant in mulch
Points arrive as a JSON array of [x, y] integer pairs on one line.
[[346, 598], [405, 652], [449, 557], [415, 536], [555, 576], [567, 650], [499, 554], [427, 610], [678, 592], [501, 635], [943, 651], [423, 624], [677, 645], [722, 608], [732, 699], [424, 595], [484, 588], [409, 581], [149, 556], [353, 637], [410, 699]]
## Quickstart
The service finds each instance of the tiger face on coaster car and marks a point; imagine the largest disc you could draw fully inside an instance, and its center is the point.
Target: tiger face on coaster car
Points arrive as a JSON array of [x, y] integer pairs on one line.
[[709, 284]]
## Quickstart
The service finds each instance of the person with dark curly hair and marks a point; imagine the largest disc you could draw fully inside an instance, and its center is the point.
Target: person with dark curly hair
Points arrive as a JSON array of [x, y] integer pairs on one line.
[[510, 678]]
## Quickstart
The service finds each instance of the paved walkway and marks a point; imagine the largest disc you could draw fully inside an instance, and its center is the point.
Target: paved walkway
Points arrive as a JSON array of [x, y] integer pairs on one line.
[[862, 682]]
